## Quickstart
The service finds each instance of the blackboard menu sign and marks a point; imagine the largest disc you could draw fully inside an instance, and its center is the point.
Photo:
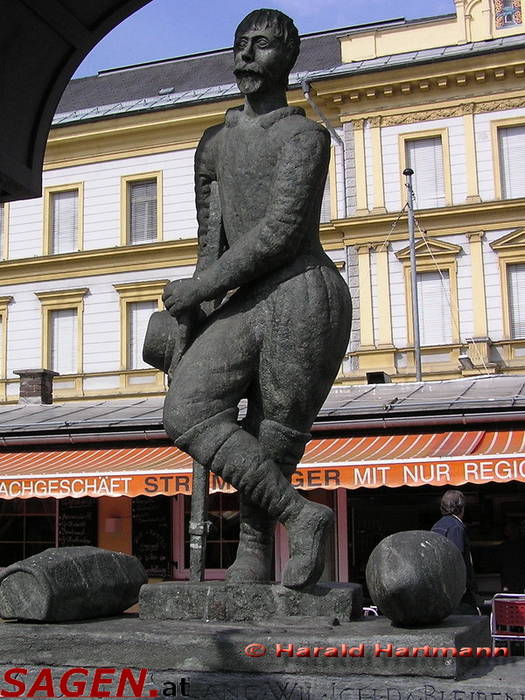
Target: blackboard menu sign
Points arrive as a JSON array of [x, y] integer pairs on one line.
[[77, 522], [151, 534]]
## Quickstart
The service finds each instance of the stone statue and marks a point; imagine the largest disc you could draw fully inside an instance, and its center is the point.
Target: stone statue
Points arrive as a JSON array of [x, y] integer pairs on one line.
[[279, 336]]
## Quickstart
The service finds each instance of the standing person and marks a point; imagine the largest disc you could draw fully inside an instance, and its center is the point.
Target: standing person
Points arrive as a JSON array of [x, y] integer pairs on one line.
[[452, 527], [277, 341]]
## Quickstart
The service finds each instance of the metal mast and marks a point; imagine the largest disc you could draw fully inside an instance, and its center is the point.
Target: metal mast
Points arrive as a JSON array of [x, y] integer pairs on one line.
[[408, 173]]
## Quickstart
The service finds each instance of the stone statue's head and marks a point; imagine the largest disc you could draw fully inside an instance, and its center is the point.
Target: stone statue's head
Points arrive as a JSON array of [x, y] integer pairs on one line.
[[265, 50]]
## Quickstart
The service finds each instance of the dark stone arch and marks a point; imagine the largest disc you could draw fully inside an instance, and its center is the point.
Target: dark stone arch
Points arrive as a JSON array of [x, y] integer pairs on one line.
[[41, 45]]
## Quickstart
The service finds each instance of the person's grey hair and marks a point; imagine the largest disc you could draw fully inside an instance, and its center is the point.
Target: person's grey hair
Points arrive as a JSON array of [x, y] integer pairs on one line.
[[452, 503], [281, 24]]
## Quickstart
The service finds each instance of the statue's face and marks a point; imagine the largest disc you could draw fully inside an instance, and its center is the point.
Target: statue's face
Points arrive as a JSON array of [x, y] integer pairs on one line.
[[260, 60]]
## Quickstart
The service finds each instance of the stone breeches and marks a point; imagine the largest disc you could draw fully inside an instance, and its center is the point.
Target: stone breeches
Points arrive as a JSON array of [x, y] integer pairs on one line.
[[278, 345]]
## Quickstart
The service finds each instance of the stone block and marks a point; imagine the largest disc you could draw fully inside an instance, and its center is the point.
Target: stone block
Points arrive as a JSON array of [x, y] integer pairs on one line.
[[70, 583], [219, 601]]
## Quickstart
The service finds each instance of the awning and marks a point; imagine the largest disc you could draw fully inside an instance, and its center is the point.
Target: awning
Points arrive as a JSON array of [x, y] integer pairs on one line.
[[438, 459]]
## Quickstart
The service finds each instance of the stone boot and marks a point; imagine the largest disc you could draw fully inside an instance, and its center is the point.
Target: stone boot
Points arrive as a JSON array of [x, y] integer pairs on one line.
[[253, 563], [239, 461]]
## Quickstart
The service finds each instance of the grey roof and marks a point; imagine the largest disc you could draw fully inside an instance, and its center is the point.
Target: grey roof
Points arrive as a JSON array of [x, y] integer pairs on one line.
[[183, 75], [346, 405], [208, 77]]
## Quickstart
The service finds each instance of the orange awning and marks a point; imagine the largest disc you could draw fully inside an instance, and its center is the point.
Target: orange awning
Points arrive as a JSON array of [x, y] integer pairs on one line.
[[438, 459]]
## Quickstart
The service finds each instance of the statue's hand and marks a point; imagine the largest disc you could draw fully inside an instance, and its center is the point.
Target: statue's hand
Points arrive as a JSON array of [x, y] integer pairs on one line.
[[180, 296]]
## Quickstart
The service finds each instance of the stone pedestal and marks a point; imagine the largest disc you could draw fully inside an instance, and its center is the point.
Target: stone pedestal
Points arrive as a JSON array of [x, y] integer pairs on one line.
[[293, 647], [216, 601]]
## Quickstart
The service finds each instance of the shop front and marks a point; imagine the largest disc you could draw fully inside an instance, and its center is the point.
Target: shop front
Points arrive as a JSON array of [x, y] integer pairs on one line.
[[135, 497]]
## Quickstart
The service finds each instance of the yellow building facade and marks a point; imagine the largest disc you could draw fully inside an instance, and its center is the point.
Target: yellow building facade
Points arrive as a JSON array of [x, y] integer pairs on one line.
[[443, 95]]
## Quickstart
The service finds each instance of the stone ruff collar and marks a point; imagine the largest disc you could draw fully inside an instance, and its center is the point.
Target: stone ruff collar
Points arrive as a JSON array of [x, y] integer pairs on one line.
[[233, 116]]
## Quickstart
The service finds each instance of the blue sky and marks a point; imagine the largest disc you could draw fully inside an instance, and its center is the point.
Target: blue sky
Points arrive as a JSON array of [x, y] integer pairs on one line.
[[167, 28]]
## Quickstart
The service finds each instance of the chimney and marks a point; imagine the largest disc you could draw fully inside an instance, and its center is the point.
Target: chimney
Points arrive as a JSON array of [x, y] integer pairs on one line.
[[36, 385]]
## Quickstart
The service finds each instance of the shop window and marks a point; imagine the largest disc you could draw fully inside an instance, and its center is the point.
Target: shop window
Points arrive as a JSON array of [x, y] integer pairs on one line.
[[511, 142], [62, 330], [223, 538], [142, 209], [151, 541], [27, 527], [516, 297], [63, 209], [425, 157], [78, 522], [507, 13], [435, 319]]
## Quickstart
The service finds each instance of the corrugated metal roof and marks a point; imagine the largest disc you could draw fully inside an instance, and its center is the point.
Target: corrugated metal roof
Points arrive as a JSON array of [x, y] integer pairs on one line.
[[477, 394], [208, 77]]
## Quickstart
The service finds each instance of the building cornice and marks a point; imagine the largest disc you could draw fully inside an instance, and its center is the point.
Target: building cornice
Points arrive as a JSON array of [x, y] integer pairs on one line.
[[102, 261], [446, 221], [468, 78]]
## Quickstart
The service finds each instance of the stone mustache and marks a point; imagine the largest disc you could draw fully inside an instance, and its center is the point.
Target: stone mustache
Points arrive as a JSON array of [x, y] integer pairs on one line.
[[266, 316]]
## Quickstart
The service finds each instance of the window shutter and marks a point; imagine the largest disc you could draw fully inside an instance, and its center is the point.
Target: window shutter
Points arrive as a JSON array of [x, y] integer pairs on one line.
[[64, 221], [63, 340], [142, 211], [138, 317], [435, 317], [326, 207], [512, 158], [425, 157], [516, 290]]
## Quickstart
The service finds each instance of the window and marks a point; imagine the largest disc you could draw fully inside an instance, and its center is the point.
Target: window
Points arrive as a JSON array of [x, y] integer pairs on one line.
[[326, 204], [329, 201], [63, 213], [62, 332], [511, 141], [516, 292], [4, 301], [438, 308], [3, 231], [143, 208], [138, 300], [27, 527], [138, 317], [435, 318], [425, 157]]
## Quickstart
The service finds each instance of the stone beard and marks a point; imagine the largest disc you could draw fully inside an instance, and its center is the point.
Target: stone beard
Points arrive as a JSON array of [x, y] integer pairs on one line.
[[279, 339]]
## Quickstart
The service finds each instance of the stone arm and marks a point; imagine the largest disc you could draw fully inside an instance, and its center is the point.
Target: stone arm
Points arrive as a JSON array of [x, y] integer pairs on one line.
[[277, 237], [210, 235]]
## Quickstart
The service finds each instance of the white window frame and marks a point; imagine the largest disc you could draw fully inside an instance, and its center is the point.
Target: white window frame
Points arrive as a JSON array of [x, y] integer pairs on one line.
[[49, 193], [126, 184], [404, 140], [499, 166]]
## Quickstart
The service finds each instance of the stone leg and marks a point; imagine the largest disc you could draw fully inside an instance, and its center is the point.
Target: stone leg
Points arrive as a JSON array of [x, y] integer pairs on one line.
[[236, 456], [253, 562]]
